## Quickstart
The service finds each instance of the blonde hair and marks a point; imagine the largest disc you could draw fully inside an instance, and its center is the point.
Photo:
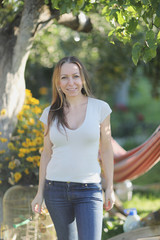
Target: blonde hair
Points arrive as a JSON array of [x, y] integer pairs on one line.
[[58, 97]]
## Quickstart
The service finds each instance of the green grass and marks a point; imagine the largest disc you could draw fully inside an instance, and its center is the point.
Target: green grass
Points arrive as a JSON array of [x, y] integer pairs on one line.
[[144, 203]]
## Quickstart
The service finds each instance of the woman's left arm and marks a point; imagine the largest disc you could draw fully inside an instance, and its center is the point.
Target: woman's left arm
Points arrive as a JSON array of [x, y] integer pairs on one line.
[[106, 153]]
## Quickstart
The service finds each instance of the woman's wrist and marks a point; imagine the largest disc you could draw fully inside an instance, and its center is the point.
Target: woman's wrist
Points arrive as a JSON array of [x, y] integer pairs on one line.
[[109, 188], [40, 191]]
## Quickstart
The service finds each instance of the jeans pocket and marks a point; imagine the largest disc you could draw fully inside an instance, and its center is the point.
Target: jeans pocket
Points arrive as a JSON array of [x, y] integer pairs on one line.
[[94, 186], [47, 185]]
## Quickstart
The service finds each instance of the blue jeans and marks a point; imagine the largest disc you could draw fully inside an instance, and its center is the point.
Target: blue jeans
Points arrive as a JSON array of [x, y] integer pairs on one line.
[[76, 209]]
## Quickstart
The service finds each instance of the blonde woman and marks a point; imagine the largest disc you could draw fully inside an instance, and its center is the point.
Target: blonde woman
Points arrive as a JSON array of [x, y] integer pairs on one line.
[[75, 124]]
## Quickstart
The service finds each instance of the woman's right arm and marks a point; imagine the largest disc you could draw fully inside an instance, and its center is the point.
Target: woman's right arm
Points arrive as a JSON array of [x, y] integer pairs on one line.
[[45, 158]]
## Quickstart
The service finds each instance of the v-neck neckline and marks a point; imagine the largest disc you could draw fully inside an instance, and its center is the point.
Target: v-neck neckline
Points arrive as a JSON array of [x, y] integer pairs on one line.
[[76, 129]]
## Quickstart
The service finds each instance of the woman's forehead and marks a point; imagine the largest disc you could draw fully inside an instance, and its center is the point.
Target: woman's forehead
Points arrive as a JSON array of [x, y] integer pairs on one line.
[[69, 68]]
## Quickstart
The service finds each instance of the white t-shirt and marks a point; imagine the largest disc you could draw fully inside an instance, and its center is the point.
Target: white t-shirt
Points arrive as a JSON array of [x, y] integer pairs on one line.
[[75, 153]]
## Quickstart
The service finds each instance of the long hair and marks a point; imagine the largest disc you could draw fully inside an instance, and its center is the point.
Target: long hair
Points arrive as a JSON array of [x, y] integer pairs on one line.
[[58, 97]]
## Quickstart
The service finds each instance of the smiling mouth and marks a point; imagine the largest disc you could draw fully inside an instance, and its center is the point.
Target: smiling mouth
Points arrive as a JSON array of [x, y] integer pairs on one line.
[[72, 89]]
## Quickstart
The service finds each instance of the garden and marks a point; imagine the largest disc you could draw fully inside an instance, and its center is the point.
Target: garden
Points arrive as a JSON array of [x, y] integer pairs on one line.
[[118, 42]]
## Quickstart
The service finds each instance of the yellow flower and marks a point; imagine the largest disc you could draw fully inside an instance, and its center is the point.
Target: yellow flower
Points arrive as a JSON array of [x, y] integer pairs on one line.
[[36, 158], [33, 101], [39, 125], [43, 91], [21, 155], [24, 150], [20, 117], [28, 93], [31, 122], [38, 164], [17, 176], [39, 134], [0, 182], [3, 140], [7, 158], [25, 126], [20, 131], [3, 112], [11, 165], [0, 133], [26, 171], [33, 149], [31, 144], [39, 140], [2, 151], [29, 159], [24, 144], [26, 107], [36, 110]]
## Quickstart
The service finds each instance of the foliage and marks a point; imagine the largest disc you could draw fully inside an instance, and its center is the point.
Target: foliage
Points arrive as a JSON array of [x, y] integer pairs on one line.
[[21, 162], [9, 9], [129, 17], [107, 64], [144, 202], [112, 226], [140, 118]]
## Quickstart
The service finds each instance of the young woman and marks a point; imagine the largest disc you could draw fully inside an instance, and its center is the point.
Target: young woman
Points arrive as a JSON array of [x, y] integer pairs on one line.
[[76, 126]]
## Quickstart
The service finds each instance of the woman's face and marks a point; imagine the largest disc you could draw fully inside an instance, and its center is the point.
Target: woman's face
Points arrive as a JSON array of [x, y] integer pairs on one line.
[[70, 80]]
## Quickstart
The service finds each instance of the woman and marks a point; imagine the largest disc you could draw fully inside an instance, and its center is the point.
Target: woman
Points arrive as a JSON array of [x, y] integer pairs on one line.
[[75, 125]]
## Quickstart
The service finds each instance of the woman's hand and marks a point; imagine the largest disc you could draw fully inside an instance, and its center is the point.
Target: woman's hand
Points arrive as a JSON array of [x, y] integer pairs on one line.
[[109, 199], [37, 203]]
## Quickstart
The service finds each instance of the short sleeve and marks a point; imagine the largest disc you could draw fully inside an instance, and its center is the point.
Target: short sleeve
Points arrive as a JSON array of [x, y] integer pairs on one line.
[[44, 117], [105, 111]]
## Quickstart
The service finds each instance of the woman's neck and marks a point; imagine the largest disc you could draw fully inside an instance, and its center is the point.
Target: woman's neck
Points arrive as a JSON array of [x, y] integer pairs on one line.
[[76, 101]]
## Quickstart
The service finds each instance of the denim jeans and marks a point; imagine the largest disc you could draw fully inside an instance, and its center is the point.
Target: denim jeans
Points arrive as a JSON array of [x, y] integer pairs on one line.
[[76, 209]]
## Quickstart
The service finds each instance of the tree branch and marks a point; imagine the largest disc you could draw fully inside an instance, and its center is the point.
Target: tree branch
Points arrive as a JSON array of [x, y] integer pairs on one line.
[[79, 23]]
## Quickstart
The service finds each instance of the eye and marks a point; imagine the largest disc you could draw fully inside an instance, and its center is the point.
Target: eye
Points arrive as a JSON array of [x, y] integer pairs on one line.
[[63, 77], [76, 76]]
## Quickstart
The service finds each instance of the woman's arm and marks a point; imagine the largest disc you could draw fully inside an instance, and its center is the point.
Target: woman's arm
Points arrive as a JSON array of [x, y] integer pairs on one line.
[[106, 153], [45, 158]]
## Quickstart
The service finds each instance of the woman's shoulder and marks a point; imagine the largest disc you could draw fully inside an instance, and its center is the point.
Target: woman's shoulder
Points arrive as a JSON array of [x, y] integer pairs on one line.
[[45, 113], [98, 102], [46, 109]]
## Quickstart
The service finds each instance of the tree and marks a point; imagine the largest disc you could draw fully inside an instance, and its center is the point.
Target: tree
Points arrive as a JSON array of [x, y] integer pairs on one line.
[[20, 21]]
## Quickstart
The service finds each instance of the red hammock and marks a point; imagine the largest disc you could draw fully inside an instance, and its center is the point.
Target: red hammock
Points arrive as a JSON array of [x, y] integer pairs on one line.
[[131, 164]]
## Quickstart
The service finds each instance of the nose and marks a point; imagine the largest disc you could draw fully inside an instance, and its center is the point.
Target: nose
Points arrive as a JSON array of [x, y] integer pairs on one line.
[[70, 81]]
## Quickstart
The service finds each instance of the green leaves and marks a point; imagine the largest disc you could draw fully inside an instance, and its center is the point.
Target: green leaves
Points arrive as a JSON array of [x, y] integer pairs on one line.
[[132, 25], [149, 53], [157, 22], [68, 6], [9, 10], [145, 51], [121, 17], [136, 52], [151, 46], [131, 18]]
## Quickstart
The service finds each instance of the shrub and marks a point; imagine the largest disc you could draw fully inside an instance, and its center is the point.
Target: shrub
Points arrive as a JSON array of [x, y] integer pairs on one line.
[[19, 164]]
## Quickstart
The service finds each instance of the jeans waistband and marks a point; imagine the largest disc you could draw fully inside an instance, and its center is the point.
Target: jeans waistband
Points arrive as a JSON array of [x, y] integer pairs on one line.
[[61, 183]]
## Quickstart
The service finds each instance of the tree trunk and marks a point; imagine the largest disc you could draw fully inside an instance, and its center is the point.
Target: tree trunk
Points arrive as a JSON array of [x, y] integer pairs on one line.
[[16, 40], [15, 43]]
